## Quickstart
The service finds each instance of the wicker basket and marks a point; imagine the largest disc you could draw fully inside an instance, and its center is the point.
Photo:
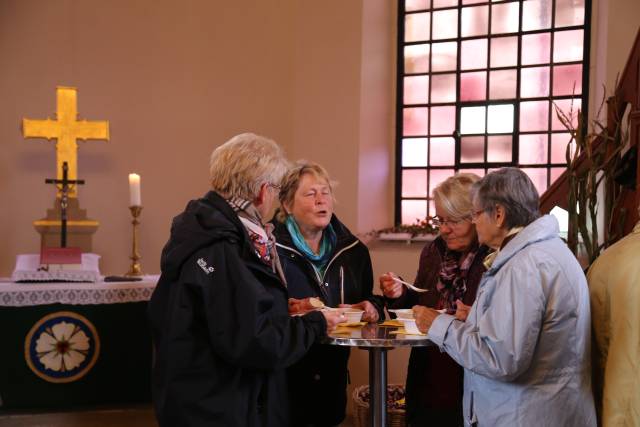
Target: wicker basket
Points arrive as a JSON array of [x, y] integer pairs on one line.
[[395, 417]]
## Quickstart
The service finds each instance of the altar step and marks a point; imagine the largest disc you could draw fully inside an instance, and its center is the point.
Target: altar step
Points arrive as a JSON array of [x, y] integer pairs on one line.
[[136, 416]]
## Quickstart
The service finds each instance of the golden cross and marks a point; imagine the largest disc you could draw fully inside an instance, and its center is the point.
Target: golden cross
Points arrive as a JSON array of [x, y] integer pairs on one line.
[[66, 129]]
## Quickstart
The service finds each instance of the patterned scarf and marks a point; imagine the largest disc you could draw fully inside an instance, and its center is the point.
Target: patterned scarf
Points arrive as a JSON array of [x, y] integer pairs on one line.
[[452, 283], [319, 260], [261, 236]]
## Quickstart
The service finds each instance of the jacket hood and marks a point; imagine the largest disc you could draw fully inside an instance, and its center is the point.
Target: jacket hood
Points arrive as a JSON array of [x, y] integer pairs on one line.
[[203, 221], [544, 228], [343, 235]]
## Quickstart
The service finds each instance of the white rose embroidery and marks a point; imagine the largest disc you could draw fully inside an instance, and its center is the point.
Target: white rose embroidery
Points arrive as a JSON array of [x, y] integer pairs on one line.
[[62, 347]]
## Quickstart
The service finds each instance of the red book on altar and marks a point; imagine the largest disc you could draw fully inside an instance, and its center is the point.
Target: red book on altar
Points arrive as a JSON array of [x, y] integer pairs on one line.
[[50, 256]]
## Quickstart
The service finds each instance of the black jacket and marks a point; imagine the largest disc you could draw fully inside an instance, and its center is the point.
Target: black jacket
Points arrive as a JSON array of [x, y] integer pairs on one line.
[[317, 383], [221, 329]]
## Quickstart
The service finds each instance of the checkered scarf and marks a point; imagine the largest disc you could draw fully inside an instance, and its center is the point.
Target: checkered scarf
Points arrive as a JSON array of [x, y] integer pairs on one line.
[[452, 283], [261, 235]]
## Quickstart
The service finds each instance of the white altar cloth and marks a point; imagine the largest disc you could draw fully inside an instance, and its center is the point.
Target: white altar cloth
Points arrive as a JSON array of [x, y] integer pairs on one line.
[[28, 269], [29, 294]]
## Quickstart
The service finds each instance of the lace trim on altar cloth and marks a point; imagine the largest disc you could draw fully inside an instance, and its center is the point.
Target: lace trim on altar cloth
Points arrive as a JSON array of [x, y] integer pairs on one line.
[[29, 294]]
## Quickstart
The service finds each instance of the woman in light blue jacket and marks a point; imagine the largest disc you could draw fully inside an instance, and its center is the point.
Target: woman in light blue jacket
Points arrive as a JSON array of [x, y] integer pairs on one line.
[[525, 344]]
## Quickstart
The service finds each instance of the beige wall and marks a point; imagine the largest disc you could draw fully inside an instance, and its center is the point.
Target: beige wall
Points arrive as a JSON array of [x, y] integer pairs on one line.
[[614, 27], [622, 27], [175, 79]]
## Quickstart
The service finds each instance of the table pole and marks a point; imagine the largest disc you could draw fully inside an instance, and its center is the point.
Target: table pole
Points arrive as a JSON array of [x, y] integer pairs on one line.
[[378, 386]]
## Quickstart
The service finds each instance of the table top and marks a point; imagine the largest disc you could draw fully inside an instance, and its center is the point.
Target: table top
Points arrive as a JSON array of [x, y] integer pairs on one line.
[[375, 335]]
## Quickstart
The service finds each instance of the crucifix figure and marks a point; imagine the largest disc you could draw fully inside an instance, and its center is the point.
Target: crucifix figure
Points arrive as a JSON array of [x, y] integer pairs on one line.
[[66, 129], [65, 186]]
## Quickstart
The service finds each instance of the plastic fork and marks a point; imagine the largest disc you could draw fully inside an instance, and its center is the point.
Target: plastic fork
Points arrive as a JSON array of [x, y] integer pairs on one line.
[[409, 285]]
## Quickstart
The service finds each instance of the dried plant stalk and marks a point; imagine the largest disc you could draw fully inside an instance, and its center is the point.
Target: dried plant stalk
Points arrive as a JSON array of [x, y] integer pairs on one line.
[[592, 154]]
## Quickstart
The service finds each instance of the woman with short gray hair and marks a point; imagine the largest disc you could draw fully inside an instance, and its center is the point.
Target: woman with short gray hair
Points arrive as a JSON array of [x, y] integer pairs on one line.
[[512, 189], [525, 345], [219, 313]]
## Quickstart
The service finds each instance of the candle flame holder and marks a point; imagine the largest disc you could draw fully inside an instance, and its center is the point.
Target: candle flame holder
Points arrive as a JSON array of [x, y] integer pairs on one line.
[[136, 268]]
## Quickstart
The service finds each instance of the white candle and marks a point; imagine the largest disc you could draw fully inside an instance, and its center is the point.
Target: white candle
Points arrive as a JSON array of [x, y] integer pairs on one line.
[[134, 190]]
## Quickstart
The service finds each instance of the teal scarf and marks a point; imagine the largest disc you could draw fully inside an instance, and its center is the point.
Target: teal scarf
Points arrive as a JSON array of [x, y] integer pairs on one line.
[[319, 260]]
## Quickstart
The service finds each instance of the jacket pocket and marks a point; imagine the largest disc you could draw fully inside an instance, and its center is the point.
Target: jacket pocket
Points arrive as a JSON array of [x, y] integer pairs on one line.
[[470, 414]]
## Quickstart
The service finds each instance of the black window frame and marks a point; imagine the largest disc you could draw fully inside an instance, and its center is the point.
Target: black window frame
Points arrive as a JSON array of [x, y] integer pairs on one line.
[[400, 74]]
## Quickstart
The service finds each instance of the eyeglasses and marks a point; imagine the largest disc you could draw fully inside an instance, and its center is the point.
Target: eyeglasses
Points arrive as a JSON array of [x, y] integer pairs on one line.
[[476, 214], [274, 186], [438, 221]]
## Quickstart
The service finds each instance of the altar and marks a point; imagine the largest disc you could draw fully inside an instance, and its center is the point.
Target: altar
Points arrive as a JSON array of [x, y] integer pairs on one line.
[[73, 344]]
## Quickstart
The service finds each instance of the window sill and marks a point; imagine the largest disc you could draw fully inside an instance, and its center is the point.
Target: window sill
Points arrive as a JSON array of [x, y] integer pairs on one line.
[[405, 238]]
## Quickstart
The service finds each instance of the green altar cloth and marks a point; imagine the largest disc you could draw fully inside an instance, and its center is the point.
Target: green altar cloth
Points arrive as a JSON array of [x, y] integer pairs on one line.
[[67, 345]]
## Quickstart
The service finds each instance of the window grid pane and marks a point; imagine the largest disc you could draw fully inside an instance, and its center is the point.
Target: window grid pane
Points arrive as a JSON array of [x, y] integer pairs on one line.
[[479, 84]]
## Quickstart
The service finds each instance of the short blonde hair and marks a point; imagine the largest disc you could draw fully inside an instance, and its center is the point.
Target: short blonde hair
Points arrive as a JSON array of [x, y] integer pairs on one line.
[[240, 166], [454, 195], [291, 181]]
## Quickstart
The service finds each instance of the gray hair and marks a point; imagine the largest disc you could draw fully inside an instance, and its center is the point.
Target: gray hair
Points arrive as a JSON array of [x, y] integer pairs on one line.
[[453, 195], [513, 190], [240, 166]]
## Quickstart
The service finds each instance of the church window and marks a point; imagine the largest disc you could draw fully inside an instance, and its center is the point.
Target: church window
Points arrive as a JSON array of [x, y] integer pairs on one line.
[[477, 85]]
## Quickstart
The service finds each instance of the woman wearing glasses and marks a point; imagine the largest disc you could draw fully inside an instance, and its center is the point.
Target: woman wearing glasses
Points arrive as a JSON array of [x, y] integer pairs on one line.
[[322, 259], [525, 345], [450, 267]]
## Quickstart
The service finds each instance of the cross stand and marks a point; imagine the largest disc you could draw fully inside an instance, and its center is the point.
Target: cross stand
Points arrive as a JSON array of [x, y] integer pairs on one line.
[[65, 186]]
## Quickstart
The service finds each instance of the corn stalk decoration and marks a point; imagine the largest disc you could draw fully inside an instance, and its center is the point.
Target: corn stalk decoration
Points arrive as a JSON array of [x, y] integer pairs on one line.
[[593, 155]]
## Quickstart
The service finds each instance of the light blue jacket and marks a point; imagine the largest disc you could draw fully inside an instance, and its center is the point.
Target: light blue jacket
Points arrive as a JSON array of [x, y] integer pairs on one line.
[[525, 346]]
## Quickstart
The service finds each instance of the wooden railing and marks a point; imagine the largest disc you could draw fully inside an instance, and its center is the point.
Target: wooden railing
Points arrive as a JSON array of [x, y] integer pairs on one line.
[[627, 96]]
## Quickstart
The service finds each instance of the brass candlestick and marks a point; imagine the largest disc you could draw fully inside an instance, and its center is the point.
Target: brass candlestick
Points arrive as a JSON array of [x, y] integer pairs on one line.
[[136, 268]]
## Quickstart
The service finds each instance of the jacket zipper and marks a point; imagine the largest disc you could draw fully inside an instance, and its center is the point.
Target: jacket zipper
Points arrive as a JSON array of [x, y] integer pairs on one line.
[[319, 279]]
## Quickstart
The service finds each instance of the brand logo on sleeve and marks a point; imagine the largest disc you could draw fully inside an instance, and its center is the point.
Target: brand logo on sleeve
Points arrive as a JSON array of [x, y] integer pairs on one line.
[[203, 265]]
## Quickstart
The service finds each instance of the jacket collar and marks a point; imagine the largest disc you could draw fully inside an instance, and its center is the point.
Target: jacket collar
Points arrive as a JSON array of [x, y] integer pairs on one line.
[[219, 203], [543, 228]]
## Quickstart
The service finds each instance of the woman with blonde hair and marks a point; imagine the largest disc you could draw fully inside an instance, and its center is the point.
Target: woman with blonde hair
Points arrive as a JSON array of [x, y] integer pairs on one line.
[[315, 247], [450, 267], [219, 314], [525, 345]]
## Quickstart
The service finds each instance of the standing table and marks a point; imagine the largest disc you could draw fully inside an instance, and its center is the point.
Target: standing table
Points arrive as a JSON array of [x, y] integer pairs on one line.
[[377, 339]]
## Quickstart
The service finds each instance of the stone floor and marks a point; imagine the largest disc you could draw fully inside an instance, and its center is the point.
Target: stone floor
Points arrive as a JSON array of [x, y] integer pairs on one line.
[[140, 416]]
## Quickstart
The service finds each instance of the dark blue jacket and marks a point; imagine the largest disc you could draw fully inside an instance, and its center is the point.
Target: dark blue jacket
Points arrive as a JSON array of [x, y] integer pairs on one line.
[[221, 328]]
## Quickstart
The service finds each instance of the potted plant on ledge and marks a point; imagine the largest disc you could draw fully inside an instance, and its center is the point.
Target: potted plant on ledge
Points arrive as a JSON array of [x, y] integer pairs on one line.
[[422, 230]]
